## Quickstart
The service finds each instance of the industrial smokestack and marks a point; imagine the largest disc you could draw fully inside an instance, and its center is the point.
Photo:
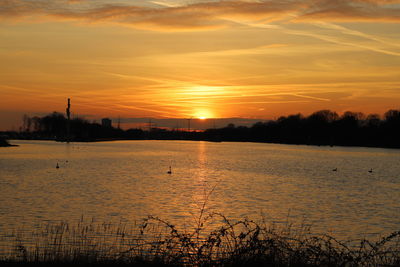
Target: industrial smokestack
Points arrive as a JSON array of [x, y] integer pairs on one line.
[[68, 111]]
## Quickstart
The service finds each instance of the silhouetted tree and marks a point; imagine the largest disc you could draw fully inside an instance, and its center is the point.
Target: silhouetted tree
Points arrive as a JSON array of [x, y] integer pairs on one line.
[[26, 123], [54, 124], [319, 127], [392, 116], [392, 127], [347, 128], [291, 129], [373, 120], [36, 124]]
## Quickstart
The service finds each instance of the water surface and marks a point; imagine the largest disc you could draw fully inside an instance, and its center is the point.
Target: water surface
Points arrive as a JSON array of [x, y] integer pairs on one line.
[[128, 180]]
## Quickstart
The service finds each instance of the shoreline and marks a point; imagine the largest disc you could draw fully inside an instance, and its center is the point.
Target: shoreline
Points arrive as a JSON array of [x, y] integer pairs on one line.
[[204, 140]]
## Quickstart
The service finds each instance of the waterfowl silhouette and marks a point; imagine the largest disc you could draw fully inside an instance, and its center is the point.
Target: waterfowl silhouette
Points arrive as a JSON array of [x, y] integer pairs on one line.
[[170, 171], [334, 170], [57, 166], [370, 170]]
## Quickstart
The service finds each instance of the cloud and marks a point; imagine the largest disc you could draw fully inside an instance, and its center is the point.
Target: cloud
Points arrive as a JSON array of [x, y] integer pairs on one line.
[[203, 15], [200, 16], [350, 11]]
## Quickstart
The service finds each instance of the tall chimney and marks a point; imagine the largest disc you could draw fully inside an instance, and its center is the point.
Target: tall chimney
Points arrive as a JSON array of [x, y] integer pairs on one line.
[[68, 119]]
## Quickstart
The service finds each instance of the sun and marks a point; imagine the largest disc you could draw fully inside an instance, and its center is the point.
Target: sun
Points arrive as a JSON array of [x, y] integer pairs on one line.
[[203, 114]]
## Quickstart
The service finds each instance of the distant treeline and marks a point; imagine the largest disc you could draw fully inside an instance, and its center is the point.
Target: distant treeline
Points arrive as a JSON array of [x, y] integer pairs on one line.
[[323, 127], [55, 127]]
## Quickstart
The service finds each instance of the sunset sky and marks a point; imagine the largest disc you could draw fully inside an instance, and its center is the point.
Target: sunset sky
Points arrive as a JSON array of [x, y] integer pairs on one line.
[[196, 58]]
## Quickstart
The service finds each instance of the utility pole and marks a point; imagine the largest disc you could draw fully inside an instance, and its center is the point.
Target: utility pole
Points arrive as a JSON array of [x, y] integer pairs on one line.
[[189, 119], [68, 111]]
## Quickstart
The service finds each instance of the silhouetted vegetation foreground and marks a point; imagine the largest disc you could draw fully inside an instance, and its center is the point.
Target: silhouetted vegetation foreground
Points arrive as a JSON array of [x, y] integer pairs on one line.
[[156, 242], [320, 128]]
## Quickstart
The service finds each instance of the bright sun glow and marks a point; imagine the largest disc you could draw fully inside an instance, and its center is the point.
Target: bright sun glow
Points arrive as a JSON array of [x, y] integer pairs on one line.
[[203, 114]]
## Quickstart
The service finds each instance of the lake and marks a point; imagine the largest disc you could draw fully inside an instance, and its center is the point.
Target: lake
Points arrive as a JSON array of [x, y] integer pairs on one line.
[[128, 180]]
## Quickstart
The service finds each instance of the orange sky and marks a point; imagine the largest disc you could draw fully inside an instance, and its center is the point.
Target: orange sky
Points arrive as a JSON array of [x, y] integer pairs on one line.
[[178, 58]]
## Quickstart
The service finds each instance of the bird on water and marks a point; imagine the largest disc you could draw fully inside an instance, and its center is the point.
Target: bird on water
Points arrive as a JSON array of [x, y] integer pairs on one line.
[[170, 171], [370, 170], [57, 166]]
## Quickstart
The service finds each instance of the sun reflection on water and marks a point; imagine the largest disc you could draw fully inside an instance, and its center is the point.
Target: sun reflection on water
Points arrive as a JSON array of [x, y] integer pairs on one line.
[[128, 180]]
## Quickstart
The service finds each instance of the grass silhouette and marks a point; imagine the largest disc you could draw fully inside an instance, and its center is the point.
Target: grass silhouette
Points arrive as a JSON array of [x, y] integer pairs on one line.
[[156, 242]]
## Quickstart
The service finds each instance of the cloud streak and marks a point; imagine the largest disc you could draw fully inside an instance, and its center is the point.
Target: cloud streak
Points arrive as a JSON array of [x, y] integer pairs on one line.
[[204, 15]]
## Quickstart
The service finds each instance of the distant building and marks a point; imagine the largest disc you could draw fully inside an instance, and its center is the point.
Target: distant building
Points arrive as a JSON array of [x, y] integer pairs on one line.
[[106, 122]]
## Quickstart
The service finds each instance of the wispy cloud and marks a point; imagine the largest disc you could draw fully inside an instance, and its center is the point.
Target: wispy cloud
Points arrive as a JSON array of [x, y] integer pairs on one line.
[[389, 48], [204, 15], [345, 30]]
